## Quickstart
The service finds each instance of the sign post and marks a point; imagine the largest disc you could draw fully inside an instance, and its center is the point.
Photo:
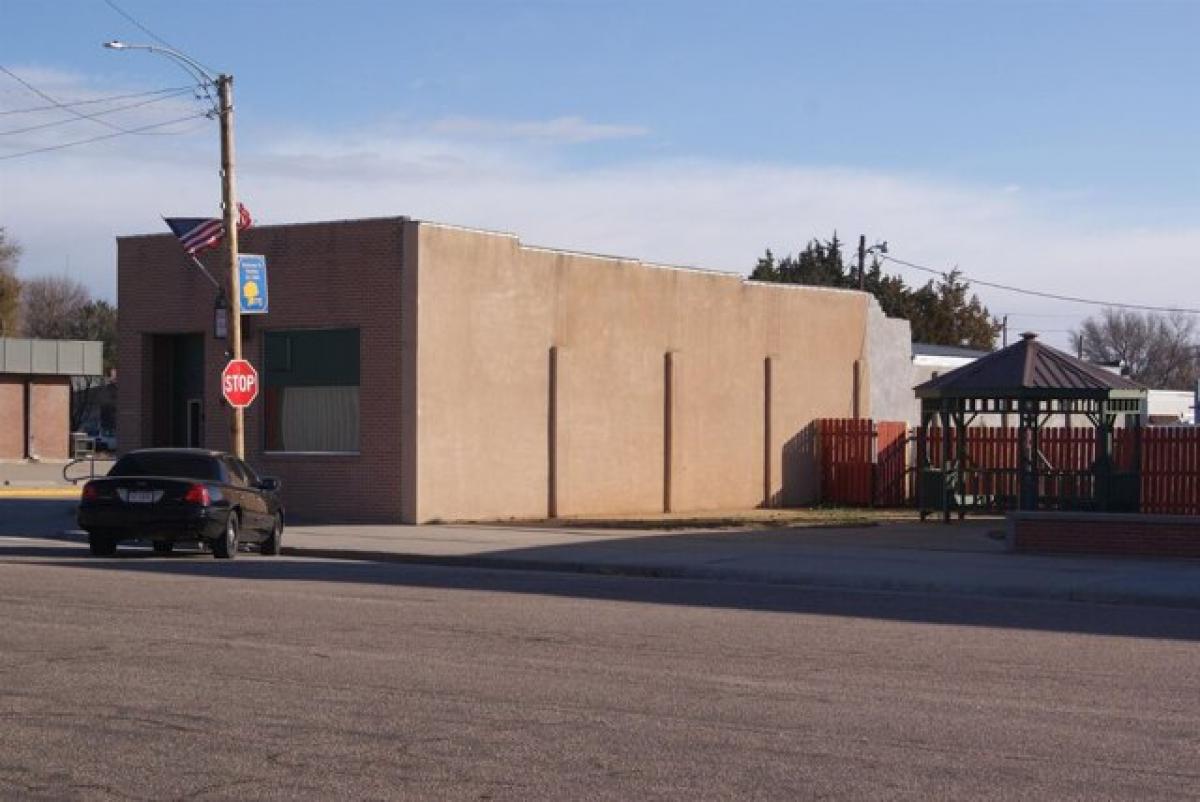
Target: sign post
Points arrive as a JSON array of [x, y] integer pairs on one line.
[[239, 383]]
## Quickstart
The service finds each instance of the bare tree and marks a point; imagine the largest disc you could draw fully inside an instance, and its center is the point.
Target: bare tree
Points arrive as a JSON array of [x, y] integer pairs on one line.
[[59, 307], [10, 286], [50, 306], [95, 320], [1160, 351]]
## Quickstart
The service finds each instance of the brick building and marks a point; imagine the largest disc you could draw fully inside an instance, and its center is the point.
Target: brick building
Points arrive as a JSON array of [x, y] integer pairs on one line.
[[414, 371], [35, 394]]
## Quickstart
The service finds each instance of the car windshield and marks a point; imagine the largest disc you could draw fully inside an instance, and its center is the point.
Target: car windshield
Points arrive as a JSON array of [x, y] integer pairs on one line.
[[186, 466]]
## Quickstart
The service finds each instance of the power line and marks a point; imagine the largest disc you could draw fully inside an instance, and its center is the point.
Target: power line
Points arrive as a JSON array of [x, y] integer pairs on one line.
[[96, 118], [126, 107], [113, 135], [48, 98], [1040, 294], [109, 99], [149, 32], [1039, 314], [204, 84]]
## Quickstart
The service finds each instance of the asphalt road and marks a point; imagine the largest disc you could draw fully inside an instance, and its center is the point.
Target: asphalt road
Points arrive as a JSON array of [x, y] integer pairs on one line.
[[189, 678]]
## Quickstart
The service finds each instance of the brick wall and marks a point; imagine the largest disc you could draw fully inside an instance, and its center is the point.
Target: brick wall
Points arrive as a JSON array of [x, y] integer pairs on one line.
[[1105, 534], [322, 275], [49, 416], [12, 417]]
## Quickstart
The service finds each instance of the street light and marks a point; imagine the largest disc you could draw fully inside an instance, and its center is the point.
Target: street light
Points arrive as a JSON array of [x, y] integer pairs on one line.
[[224, 85]]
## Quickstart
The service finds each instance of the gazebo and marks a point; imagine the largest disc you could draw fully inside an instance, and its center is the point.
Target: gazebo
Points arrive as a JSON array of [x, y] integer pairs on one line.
[[1033, 383]]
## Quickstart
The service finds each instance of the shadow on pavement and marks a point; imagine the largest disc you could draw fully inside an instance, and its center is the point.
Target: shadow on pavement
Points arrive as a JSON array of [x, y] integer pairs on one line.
[[1048, 616], [32, 517]]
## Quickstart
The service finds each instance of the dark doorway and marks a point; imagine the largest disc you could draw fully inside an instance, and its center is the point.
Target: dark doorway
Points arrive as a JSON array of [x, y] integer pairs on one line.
[[195, 423], [177, 390]]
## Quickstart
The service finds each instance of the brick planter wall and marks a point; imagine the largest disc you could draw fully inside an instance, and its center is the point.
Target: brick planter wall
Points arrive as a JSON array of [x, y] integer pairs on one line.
[[1104, 534]]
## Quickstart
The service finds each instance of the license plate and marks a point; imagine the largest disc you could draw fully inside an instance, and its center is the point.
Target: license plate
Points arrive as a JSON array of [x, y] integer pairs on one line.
[[142, 496]]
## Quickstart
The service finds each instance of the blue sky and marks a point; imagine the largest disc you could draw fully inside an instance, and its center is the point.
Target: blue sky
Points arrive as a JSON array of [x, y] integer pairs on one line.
[[1041, 143]]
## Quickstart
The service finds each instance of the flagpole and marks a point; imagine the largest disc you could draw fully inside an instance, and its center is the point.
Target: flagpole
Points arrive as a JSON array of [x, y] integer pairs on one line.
[[204, 270]]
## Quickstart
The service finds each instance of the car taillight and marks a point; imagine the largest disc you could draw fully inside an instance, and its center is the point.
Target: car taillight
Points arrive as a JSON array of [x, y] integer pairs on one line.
[[90, 493], [197, 494]]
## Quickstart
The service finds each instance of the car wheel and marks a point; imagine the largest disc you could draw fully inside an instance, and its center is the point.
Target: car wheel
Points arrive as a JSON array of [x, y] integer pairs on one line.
[[226, 547], [102, 544], [163, 547], [272, 544]]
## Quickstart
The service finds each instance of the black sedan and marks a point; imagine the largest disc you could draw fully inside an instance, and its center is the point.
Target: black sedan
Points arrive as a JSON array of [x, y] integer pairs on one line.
[[190, 495]]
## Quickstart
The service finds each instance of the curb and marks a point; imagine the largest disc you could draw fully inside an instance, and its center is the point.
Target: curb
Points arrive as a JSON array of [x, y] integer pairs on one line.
[[811, 581], [18, 492]]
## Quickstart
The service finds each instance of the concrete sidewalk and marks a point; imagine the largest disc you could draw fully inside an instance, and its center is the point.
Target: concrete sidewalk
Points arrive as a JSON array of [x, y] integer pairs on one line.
[[959, 559], [28, 479]]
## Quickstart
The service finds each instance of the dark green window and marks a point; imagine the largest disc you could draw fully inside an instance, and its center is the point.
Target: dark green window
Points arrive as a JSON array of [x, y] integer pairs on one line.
[[311, 384]]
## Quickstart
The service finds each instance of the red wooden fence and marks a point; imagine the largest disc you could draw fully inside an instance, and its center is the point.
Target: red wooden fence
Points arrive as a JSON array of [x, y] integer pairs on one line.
[[1171, 471], [868, 463], [847, 461], [891, 464]]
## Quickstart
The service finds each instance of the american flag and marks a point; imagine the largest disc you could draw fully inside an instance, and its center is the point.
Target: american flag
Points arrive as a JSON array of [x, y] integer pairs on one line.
[[200, 233]]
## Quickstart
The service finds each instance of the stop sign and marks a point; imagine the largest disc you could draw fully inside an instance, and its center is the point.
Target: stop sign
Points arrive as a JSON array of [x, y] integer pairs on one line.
[[239, 383]]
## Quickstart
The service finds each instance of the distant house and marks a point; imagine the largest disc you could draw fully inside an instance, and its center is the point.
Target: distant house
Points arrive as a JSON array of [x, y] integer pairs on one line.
[[930, 361], [35, 394], [1171, 407]]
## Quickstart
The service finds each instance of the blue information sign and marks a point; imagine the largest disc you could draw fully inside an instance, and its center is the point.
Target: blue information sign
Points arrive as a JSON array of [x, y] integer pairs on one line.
[[252, 283]]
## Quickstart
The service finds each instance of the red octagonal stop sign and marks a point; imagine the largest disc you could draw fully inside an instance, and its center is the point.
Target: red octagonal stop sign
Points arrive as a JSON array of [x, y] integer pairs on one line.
[[239, 383]]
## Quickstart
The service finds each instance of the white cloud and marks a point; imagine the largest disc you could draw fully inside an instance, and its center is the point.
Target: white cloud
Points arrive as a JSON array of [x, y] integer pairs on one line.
[[69, 205]]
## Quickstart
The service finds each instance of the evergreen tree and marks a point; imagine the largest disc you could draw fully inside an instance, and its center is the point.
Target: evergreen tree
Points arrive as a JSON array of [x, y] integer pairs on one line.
[[944, 312]]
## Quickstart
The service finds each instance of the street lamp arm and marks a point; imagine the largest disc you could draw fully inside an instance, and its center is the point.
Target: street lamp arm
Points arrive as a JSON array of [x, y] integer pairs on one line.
[[195, 67]]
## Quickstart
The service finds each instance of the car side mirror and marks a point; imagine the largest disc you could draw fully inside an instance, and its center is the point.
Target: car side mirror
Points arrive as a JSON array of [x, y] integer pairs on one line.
[[269, 483]]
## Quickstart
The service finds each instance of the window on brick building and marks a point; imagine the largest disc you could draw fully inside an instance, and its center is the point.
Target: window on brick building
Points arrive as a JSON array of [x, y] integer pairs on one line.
[[310, 386]]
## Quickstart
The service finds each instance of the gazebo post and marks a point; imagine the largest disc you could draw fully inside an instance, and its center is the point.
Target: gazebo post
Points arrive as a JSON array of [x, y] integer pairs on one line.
[[945, 419], [1102, 468], [927, 415], [960, 442], [1027, 444]]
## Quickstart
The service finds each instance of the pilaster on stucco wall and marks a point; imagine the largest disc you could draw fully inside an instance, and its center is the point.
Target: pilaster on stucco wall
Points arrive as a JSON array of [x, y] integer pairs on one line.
[[889, 366]]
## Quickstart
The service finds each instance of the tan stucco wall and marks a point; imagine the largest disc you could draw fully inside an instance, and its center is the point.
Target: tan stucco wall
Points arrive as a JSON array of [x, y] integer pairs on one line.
[[488, 313]]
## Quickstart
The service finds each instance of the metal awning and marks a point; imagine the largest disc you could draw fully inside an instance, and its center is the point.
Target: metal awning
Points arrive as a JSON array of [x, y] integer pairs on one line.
[[25, 357]]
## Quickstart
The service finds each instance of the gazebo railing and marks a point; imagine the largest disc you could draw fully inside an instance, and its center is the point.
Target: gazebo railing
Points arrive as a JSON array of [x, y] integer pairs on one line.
[[986, 475]]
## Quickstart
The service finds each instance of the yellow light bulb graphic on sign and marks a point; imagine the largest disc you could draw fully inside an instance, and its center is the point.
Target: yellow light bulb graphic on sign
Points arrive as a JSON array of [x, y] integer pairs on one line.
[[250, 292]]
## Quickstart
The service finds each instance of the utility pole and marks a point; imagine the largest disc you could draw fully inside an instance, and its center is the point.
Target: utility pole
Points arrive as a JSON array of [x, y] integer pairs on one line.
[[224, 85], [863, 250], [862, 261], [237, 432]]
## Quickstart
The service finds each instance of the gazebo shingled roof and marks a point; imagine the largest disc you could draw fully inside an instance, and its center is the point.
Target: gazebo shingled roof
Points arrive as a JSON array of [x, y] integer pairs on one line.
[[1029, 369]]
